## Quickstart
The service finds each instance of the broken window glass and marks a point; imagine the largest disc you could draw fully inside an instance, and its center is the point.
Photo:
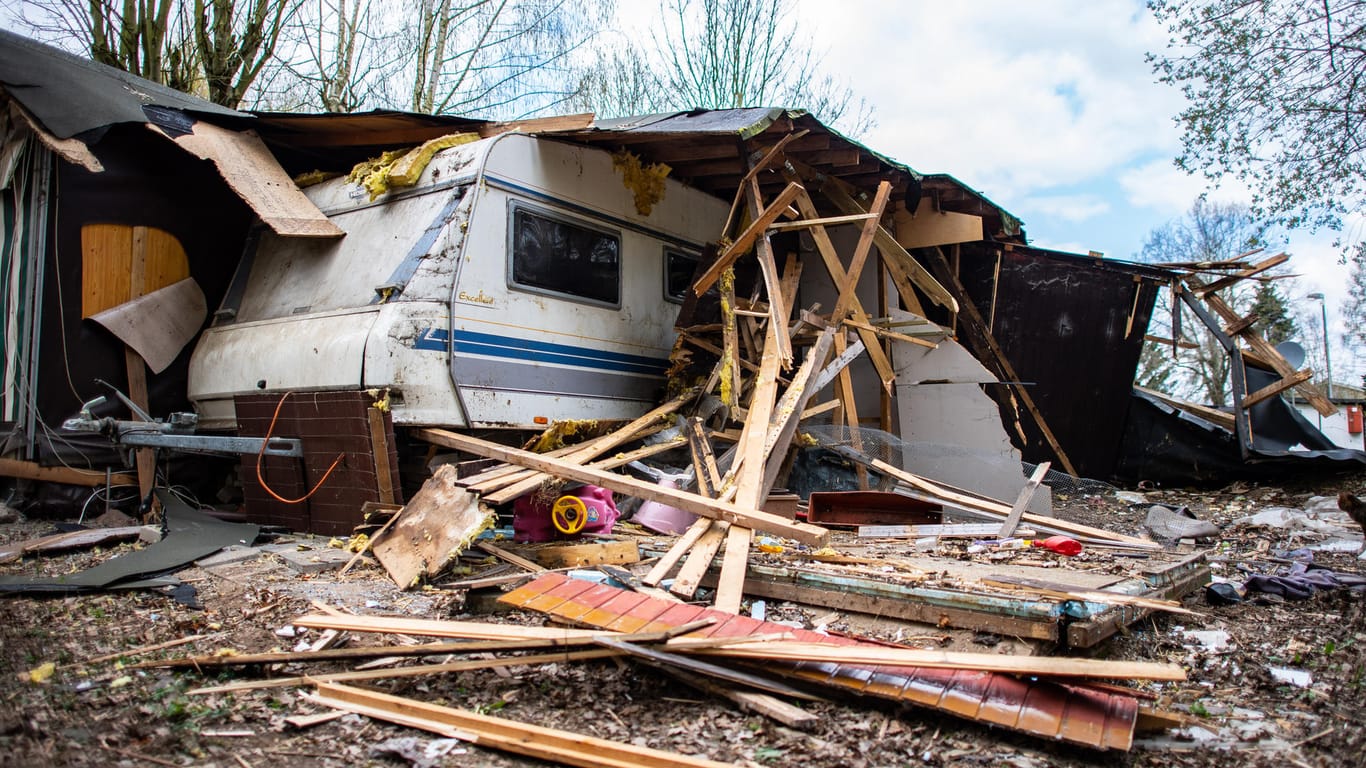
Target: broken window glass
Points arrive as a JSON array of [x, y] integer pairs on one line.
[[568, 257]]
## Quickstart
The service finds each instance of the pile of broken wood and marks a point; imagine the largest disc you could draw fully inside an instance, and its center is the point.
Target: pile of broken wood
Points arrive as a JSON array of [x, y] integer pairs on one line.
[[768, 365]]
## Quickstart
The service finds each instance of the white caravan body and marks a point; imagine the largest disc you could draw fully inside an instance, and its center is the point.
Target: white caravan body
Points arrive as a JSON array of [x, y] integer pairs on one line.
[[514, 284]]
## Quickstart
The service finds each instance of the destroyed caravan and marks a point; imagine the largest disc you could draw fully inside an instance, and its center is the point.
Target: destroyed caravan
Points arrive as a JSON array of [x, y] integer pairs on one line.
[[514, 284]]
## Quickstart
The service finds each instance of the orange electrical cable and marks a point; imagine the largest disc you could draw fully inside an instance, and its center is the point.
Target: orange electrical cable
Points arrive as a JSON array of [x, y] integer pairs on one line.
[[261, 454]]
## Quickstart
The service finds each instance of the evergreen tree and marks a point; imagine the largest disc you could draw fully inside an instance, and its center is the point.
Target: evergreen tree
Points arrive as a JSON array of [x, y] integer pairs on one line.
[[1274, 321]]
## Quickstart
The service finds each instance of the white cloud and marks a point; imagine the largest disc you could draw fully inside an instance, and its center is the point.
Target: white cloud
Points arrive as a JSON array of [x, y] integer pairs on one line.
[[1010, 97], [1069, 207]]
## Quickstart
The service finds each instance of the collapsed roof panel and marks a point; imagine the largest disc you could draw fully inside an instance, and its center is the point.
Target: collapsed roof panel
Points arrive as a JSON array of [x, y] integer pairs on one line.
[[72, 96]]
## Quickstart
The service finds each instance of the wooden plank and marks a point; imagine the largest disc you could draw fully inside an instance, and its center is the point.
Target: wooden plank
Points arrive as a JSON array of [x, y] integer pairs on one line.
[[730, 343], [428, 534], [654, 656], [747, 238], [595, 447], [790, 410], [676, 552], [1277, 387], [576, 555], [824, 221], [1264, 349], [830, 258], [699, 559], [396, 673], [993, 508], [1252, 271], [704, 460], [1041, 666], [552, 745], [1012, 520], [508, 557], [888, 334], [379, 448], [778, 310], [730, 586], [1214, 415], [764, 704], [470, 630], [28, 470], [689, 502]]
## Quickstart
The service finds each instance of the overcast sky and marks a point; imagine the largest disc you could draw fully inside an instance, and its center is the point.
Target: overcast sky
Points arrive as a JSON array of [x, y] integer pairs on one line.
[[1046, 107]]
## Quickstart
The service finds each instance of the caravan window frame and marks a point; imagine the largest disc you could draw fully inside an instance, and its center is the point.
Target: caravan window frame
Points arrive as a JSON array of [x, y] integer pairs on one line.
[[519, 206], [673, 250]]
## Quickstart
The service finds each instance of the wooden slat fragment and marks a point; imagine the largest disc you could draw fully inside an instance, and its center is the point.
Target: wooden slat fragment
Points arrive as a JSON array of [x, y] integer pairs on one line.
[[746, 239], [1012, 520], [552, 745]]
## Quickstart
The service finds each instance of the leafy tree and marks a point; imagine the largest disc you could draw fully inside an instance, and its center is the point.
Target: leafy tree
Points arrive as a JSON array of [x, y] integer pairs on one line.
[[1209, 232], [1274, 89], [1354, 313], [722, 54]]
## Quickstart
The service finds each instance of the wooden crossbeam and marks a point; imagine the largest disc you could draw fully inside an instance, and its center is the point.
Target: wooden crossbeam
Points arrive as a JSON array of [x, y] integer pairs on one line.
[[806, 533], [746, 239], [1264, 349], [830, 258]]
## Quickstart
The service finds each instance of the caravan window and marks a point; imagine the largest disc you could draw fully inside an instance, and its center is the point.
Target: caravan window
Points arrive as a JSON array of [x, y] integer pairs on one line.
[[556, 254], [679, 268]]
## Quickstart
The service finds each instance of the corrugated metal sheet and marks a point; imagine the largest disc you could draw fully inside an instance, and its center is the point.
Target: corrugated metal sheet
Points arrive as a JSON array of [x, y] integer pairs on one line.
[[1073, 713]]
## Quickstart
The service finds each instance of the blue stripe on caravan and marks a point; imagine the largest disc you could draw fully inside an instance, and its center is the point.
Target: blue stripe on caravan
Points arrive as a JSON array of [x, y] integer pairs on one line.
[[515, 348]]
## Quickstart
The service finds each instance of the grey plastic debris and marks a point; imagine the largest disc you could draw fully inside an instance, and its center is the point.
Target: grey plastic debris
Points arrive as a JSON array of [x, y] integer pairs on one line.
[[420, 753], [1172, 523]]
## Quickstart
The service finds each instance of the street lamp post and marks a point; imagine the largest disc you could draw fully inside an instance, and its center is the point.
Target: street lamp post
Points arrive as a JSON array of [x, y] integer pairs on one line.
[[1327, 358]]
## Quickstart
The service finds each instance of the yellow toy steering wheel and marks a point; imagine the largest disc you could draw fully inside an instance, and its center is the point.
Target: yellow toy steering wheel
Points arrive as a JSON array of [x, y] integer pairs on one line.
[[569, 514]]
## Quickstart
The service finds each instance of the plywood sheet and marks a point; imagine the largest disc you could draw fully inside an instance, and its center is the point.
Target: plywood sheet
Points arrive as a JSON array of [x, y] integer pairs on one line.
[[431, 531]]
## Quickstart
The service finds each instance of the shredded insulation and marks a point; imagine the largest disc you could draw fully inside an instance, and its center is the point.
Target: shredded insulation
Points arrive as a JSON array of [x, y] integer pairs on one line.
[[402, 167], [646, 182]]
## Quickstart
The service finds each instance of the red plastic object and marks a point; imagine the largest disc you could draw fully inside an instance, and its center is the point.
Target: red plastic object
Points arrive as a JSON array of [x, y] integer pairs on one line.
[[1060, 544], [1354, 419]]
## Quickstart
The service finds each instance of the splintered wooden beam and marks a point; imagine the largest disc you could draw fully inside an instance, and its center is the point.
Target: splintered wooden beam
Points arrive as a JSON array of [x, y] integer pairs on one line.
[[1264, 349], [549, 744], [790, 408], [830, 258], [699, 559], [746, 239], [1012, 520], [777, 307], [1252, 271], [1277, 387], [813, 535], [680, 548], [595, 448]]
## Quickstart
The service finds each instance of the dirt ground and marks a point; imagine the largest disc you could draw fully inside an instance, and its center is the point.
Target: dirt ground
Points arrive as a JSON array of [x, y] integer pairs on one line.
[[97, 712]]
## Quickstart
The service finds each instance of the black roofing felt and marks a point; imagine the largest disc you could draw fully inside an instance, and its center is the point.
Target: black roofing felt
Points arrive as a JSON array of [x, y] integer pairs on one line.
[[70, 95]]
